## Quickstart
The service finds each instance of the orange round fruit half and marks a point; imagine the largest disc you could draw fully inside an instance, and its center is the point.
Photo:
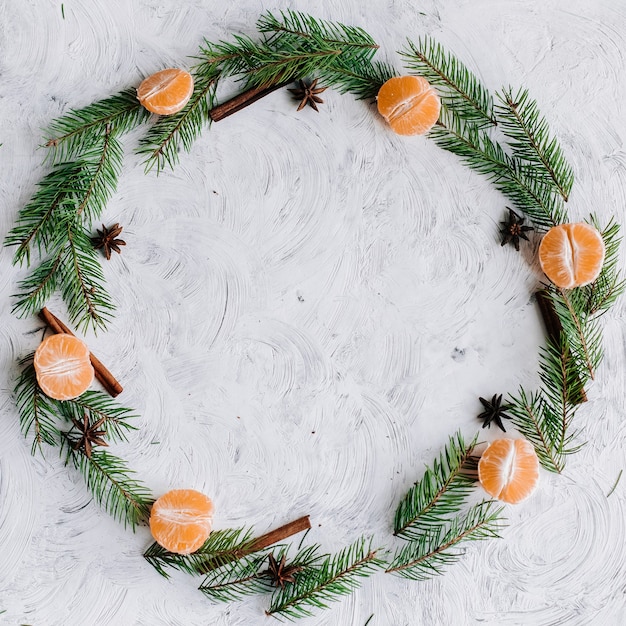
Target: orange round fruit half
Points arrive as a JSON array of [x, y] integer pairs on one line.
[[63, 367], [181, 520], [509, 470], [409, 104], [166, 92], [572, 255]]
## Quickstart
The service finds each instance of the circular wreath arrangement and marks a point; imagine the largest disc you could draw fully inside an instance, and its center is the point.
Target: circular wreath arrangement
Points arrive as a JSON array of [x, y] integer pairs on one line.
[[440, 97]]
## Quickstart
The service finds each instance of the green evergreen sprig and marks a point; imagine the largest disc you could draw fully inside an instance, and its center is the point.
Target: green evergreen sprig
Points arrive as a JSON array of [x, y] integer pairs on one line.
[[441, 492], [221, 547], [427, 554], [74, 134], [112, 483], [530, 139], [460, 90], [336, 576]]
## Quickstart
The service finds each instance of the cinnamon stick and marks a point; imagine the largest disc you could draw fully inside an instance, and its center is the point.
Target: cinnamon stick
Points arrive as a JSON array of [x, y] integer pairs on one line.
[[243, 100], [107, 380], [554, 329], [278, 534]]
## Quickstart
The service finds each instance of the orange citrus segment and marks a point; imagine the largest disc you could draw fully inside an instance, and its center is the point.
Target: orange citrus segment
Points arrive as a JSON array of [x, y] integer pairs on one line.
[[181, 520], [509, 470], [571, 255], [166, 92], [63, 368], [409, 104]]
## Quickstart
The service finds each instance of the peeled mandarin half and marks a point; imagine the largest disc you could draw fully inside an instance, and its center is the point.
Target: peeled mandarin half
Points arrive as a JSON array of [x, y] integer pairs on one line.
[[63, 368], [181, 520], [572, 255], [166, 92], [409, 104], [509, 470]]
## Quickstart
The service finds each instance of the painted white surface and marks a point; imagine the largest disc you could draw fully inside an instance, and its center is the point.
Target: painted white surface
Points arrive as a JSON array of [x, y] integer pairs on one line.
[[307, 307]]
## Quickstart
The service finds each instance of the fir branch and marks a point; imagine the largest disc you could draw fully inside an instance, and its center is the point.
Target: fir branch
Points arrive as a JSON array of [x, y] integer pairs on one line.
[[334, 577], [36, 410], [604, 291], [308, 28], [518, 182], [40, 224], [81, 282], [529, 137], [76, 132], [427, 554], [362, 78], [459, 89], [247, 576], [440, 493], [38, 287], [99, 406], [221, 547], [242, 578], [112, 484], [163, 141]]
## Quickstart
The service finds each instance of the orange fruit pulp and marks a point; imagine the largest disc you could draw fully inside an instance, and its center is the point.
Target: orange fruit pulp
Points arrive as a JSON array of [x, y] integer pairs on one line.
[[409, 104], [509, 470], [166, 92], [63, 367], [571, 255], [181, 520]]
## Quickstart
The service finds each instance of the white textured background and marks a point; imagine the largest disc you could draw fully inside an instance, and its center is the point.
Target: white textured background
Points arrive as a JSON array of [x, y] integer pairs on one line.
[[307, 307]]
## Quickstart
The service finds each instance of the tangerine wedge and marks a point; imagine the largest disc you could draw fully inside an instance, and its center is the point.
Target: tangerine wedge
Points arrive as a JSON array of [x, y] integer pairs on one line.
[[409, 104], [509, 470], [572, 255], [62, 366], [181, 520], [166, 92]]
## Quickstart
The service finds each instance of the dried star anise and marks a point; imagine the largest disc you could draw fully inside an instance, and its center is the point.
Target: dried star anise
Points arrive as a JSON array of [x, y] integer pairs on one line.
[[308, 94], [279, 573], [89, 435], [494, 411], [513, 229], [107, 240]]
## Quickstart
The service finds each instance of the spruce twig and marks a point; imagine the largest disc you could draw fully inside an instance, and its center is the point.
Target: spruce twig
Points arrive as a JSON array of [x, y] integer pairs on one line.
[[529, 137], [334, 577], [440, 493], [427, 554]]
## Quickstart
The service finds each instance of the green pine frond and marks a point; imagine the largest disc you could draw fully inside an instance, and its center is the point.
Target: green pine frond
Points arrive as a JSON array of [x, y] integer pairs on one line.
[[604, 291], [335, 576], [362, 78], [99, 406], [36, 289], [242, 578], [112, 484], [441, 492], [530, 140], [81, 282], [306, 27], [36, 410], [75, 133], [163, 142], [516, 181], [222, 547], [438, 546], [460, 90], [40, 224], [249, 575]]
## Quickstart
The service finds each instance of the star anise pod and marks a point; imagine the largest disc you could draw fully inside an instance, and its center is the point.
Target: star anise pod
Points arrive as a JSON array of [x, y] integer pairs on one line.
[[513, 229], [494, 411], [279, 573], [107, 240], [308, 94], [89, 435]]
